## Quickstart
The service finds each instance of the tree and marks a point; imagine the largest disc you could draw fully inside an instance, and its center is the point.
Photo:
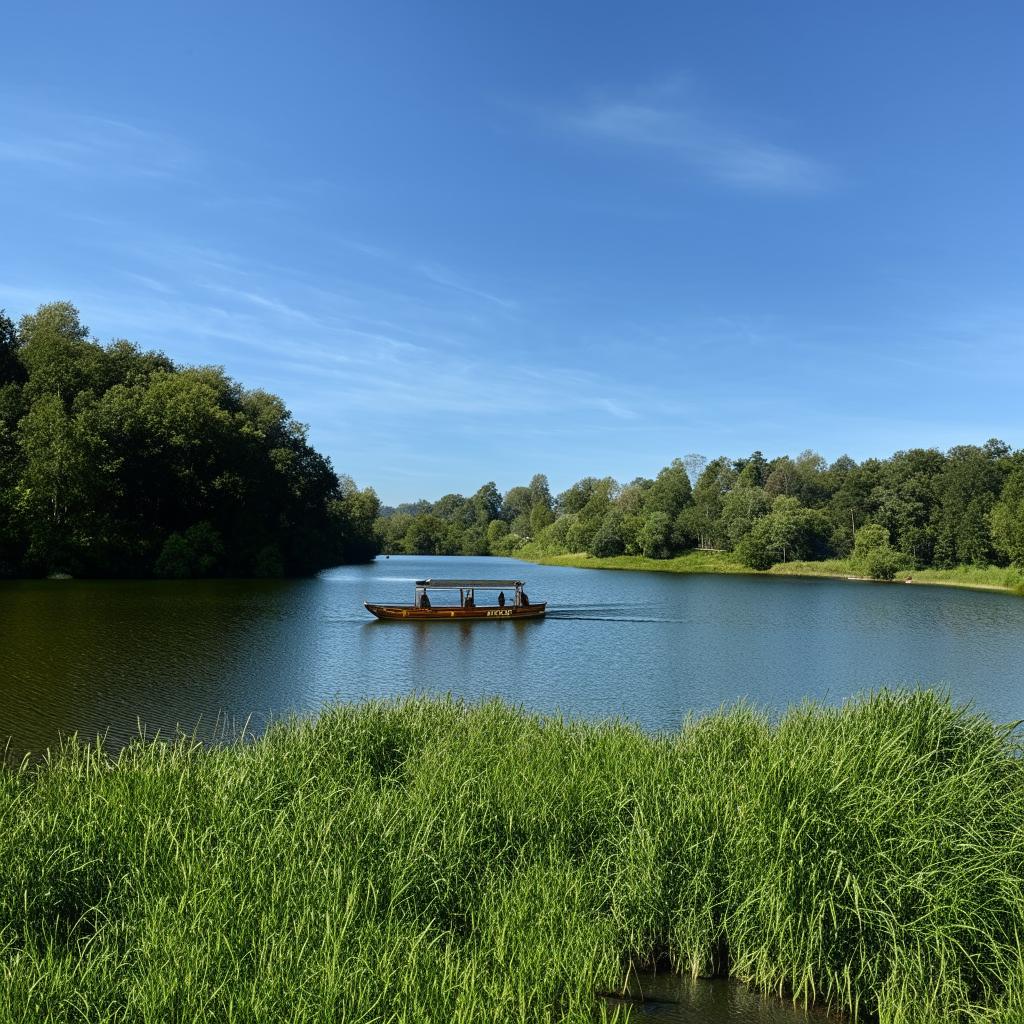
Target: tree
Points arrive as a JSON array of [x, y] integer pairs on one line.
[[454, 508], [753, 472], [486, 504], [11, 371], [608, 539], [702, 518], [670, 492], [785, 524], [742, 507], [113, 461], [541, 516], [788, 532], [574, 498], [427, 535], [497, 531], [968, 488], [873, 554], [194, 553], [1007, 519], [353, 515], [654, 538], [57, 354], [757, 548], [517, 505], [55, 484], [540, 492]]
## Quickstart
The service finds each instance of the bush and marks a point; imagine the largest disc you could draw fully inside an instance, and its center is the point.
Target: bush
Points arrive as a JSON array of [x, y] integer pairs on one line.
[[195, 553], [608, 540], [756, 550], [874, 556], [268, 563], [883, 563]]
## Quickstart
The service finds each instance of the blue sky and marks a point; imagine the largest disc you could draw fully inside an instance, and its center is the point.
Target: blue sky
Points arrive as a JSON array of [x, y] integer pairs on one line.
[[478, 241]]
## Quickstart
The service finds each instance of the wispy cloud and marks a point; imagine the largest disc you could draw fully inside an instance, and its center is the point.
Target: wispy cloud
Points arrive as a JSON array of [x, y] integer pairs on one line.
[[444, 277], [83, 143], [676, 127], [354, 349], [616, 409], [149, 282], [265, 302]]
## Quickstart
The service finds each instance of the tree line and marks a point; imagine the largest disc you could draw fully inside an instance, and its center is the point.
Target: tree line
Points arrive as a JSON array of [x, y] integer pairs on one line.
[[118, 462], [916, 509]]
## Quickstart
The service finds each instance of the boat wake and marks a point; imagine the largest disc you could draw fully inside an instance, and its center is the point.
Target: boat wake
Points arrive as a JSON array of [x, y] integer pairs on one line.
[[607, 613]]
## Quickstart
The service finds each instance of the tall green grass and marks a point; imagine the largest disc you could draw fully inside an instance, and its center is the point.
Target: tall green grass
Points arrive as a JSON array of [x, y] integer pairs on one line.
[[429, 861]]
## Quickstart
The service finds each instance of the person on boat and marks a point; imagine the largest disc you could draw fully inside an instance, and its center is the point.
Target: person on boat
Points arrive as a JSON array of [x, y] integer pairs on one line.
[[424, 600], [523, 599], [470, 602], [501, 599]]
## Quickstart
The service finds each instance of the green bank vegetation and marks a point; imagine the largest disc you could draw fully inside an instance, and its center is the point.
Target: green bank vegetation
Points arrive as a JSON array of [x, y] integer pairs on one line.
[[426, 861], [988, 577], [961, 510], [117, 462]]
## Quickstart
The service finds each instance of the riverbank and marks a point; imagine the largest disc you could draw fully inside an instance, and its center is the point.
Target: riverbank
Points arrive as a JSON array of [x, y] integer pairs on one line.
[[429, 861], [989, 577]]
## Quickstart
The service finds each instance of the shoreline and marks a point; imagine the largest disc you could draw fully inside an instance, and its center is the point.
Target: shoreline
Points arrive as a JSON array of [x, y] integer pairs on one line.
[[724, 564]]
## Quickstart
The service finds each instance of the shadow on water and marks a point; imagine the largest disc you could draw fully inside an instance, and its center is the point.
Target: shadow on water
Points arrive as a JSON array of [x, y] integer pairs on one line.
[[676, 1000]]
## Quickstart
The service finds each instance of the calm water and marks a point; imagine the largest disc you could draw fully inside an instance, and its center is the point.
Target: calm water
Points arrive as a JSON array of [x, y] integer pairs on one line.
[[109, 657], [672, 1000], [103, 657]]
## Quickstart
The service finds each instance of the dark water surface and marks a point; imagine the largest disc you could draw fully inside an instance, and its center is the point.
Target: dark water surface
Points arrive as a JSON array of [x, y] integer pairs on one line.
[[103, 656], [669, 999]]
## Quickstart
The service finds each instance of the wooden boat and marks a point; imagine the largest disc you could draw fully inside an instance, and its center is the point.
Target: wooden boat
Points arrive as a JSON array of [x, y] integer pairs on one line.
[[423, 608]]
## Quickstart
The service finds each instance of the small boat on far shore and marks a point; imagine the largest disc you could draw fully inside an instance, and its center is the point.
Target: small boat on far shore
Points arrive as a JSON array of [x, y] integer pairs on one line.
[[423, 608]]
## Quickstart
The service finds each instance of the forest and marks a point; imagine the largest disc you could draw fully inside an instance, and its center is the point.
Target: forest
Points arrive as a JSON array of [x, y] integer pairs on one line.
[[118, 462], [916, 509]]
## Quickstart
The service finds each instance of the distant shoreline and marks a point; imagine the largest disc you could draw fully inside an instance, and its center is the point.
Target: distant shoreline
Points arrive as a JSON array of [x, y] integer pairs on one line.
[[725, 563]]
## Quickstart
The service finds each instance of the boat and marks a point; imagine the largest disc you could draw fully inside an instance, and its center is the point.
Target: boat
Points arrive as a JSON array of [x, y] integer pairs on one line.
[[424, 608]]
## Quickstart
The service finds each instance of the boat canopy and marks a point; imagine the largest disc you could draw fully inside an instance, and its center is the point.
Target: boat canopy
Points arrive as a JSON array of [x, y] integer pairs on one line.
[[469, 584]]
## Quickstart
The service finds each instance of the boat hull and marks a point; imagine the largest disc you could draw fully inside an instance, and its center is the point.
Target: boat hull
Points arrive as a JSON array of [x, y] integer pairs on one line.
[[410, 613]]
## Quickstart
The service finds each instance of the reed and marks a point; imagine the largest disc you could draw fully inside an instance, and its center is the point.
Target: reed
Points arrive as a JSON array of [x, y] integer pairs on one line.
[[430, 861]]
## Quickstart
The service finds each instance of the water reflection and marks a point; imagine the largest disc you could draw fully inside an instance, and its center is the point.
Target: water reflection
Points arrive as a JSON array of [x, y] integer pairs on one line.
[[675, 1000], [105, 656]]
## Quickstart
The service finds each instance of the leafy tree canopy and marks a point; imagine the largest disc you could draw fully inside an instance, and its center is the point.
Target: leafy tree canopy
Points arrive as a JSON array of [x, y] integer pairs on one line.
[[117, 462]]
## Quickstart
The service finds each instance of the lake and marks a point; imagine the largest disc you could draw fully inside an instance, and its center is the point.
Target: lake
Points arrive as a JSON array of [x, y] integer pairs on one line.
[[111, 657]]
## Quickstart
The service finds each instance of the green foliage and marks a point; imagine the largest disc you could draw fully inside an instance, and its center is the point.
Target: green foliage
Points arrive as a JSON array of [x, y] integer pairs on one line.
[[742, 507], [873, 555], [11, 371], [968, 487], [1007, 519], [429, 861], [787, 533], [655, 535], [609, 540], [196, 553], [485, 524], [670, 492], [115, 462], [757, 548], [966, 506]]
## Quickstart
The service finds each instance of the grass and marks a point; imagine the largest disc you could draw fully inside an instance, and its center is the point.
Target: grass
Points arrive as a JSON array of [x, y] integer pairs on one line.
[[429, 861], [988, 577], [691, 562]]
